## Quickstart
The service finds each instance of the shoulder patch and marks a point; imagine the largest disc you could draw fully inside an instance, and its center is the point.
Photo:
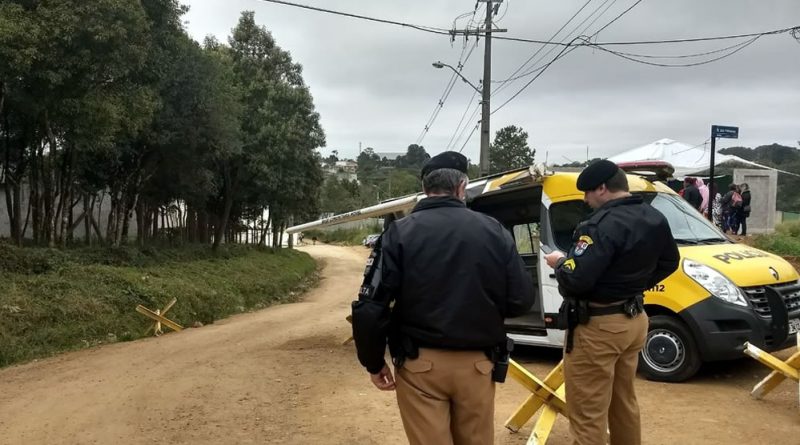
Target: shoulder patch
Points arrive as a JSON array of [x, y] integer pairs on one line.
[[569, 265], [582, 245]]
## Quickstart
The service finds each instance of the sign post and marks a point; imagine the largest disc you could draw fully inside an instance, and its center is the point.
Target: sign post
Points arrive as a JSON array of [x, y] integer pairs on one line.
[[717, 131]]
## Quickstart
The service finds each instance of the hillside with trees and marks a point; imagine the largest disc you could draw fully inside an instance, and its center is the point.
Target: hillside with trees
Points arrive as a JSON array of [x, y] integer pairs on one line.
[[113, 98], [381, 178]]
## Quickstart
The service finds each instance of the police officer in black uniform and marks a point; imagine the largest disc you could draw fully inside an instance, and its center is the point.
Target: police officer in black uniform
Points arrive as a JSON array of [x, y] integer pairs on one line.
[[453, 275], [622, 249]]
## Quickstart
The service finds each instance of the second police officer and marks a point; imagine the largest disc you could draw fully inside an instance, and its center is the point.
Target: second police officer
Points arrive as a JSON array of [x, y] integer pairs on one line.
[[623, 248]]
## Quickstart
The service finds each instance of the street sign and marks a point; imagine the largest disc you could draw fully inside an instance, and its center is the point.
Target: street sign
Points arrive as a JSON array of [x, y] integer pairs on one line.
[[718, 131]]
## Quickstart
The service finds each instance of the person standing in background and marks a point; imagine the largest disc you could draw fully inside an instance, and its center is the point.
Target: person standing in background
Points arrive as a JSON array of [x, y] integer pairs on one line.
[[744, 211], [704, 193], [691, 194]]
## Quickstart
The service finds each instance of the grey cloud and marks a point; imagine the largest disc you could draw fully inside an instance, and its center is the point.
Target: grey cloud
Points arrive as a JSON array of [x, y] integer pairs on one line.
[[374, 84]]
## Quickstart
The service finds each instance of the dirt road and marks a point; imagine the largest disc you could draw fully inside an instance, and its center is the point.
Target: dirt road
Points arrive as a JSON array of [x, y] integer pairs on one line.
[[282, 376]]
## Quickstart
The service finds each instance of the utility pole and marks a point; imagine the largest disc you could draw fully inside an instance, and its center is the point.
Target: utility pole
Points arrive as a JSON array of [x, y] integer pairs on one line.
[[491, 10], [487, 90]]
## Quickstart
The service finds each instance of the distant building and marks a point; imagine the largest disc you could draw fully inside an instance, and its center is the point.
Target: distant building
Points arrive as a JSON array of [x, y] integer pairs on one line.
[[391, 155], [346, 170], [346, 166]]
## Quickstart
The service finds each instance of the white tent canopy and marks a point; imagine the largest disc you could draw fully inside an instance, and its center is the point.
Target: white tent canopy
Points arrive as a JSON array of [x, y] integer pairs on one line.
[[686, 159]]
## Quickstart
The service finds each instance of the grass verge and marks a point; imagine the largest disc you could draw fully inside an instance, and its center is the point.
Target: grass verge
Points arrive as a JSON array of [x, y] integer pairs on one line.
[[784, 241], [53, 301], [349, 237]]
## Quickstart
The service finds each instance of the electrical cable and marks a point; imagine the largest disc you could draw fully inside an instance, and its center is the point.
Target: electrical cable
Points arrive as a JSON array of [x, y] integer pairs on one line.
[[561, 53], [521, 67], [740, 47], [460, 122], [795, 30], [430, 29], [446, 94], [470, 119], [469, 137]]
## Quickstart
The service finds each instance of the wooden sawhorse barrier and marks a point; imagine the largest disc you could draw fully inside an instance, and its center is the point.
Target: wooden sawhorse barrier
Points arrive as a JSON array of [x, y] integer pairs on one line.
[[158, 317], [781, 369], [547, 396]]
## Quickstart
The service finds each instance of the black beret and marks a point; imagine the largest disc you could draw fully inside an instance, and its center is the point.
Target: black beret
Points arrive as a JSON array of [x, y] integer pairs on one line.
[[596, 174], [447, 159]]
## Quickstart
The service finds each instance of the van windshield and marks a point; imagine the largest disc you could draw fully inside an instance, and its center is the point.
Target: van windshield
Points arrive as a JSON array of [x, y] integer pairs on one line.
[[687, 224]]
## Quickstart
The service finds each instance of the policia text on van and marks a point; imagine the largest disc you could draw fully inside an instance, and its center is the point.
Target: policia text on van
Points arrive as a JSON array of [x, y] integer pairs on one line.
[[722, 295]]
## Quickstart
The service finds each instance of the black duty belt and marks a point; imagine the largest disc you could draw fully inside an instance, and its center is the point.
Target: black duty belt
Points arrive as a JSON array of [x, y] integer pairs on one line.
[[607, 310]]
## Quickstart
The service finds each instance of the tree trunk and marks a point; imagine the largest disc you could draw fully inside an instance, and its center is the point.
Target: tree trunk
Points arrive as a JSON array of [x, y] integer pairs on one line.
[[35, 199], [49, 191], [227, 205], [140, 226], [12, 181]]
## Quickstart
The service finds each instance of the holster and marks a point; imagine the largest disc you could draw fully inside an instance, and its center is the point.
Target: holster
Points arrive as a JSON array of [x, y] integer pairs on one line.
[[572, 313], [402, 347], [499, 356], [634, 306]]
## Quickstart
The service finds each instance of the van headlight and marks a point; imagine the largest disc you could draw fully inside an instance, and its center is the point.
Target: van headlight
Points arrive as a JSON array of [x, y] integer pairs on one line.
[[714, 282]]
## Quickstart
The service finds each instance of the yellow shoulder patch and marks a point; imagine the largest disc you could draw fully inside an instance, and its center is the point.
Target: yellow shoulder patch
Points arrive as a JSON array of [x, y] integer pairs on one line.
[[587, 239], [569, 265]]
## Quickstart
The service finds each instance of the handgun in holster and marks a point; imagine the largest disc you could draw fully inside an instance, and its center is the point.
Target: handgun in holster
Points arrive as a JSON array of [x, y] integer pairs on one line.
[[401, 348], [634, 306], [572, 313], [500, 356]]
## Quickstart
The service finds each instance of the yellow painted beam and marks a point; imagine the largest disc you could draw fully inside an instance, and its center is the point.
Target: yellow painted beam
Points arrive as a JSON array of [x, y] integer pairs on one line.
[[531, 382], [524, 413], [771, 361], [547, 396], [167, 322], [541, 394], [169, 306], [543, 427], [774, 378]]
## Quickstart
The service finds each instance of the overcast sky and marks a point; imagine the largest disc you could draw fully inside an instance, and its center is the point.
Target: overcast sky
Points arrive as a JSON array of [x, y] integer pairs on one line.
[[374, 84]]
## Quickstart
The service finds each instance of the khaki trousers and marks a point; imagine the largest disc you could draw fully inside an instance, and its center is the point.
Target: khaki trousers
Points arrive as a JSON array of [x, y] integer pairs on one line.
[[447, 398], [599, 374]]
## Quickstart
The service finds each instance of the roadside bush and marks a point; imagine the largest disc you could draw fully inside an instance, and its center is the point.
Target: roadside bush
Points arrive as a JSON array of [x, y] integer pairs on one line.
[[784, 241], [53, 301]]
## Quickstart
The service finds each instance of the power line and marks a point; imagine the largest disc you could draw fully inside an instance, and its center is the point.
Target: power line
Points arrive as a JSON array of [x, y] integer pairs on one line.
[[469, 103], [551, 38], [446, 93], [561, 53], [429, 29], [470, 119], [469, 137], [552, 48], [738, 47], [685, 56], [795, 30]]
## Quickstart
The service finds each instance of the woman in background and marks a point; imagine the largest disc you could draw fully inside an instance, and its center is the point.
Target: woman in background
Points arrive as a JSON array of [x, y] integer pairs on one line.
[[744, 210]]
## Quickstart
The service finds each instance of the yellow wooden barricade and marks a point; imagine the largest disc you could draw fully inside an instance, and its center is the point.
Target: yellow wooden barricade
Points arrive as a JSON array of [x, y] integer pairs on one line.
[[158, 316], [547, 396], [781, 369]]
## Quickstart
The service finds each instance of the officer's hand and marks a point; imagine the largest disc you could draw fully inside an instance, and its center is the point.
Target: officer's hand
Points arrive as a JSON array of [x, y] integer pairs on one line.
[[384, 380], [553, 257]]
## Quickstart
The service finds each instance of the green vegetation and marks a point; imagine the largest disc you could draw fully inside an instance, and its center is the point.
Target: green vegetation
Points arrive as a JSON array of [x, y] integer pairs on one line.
[[58, 300], [350, 237], [785, 240], [110, 104]]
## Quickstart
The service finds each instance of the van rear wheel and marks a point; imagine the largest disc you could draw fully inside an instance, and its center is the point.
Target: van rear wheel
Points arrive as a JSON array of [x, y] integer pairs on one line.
[[670, 353]]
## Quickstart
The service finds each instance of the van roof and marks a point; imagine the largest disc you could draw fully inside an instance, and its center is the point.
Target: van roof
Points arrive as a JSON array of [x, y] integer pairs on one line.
[[558, 186]]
